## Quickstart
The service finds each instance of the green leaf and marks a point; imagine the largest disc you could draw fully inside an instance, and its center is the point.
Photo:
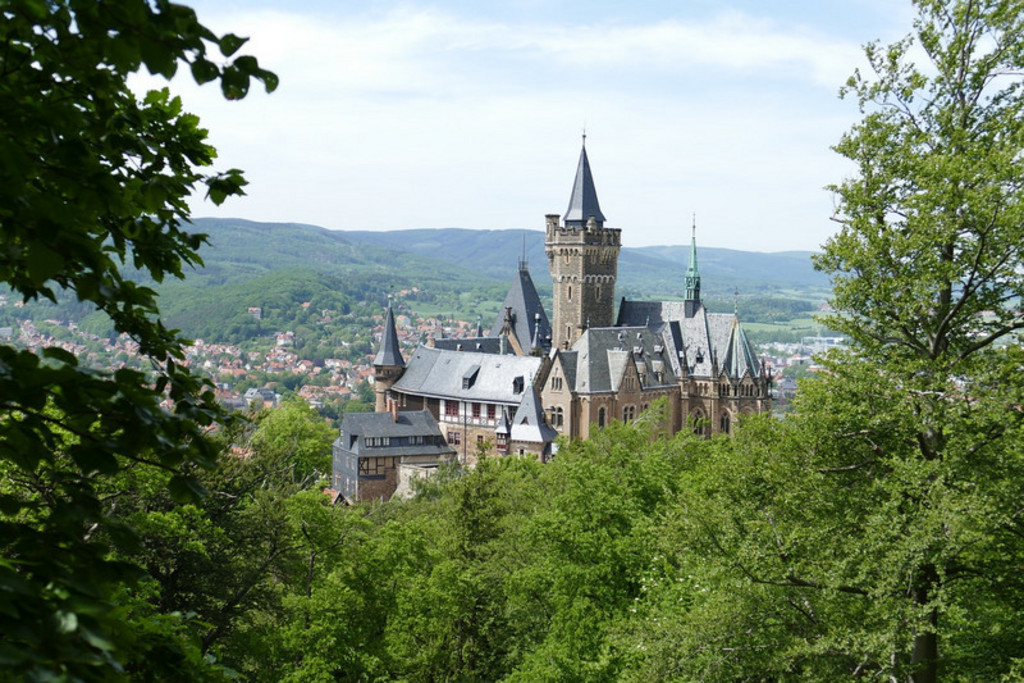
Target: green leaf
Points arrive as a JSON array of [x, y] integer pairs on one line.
[[43, 263], [230, 43], [59, 354], [204, 71], [185, 489]]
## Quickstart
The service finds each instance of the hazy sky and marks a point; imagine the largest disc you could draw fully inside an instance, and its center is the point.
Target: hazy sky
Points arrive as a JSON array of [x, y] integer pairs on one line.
[[468, 114]]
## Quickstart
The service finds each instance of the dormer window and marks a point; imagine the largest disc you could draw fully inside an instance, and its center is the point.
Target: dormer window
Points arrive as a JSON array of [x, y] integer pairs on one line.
[[518, 385]]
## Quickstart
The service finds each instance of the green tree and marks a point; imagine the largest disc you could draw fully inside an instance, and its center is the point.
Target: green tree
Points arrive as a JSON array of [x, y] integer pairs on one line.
[[877, 531], [297, 437], [880, 521], [93, 181], [927, 276]]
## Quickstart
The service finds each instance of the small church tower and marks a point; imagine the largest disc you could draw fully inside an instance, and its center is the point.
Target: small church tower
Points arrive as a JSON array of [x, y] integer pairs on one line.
[[388, 364], [692, 301], [583, 258]]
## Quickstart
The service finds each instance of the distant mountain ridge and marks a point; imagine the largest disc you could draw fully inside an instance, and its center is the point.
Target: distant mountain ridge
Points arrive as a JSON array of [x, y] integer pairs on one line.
[[454, 252], [284, 269]]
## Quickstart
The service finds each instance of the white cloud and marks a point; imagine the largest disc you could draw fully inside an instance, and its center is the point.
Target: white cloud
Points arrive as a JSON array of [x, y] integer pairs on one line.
[[418, 118]]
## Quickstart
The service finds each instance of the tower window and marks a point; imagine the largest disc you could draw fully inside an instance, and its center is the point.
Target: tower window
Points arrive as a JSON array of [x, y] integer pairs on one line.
[[600, 417], [570, 292], [599, 292]]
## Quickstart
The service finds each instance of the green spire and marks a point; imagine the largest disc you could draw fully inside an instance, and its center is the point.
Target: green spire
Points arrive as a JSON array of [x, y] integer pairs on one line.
[[692, 274]]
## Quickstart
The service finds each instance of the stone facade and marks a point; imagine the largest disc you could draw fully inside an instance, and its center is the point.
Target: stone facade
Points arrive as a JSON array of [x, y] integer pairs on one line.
[[584, 264]]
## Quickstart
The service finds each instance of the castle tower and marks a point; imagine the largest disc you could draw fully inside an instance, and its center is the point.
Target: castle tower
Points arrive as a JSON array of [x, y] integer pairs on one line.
[[583, 258], [388, 364], [692, 302]]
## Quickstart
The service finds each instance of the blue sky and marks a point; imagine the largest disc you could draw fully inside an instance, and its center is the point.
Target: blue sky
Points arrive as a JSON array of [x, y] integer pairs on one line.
[[396, 115]]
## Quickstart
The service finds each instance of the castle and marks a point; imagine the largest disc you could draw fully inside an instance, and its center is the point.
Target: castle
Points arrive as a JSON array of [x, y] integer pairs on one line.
[[527, 381]]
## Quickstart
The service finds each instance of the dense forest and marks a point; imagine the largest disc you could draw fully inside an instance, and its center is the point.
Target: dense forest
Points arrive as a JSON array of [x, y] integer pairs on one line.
[[875, 532]]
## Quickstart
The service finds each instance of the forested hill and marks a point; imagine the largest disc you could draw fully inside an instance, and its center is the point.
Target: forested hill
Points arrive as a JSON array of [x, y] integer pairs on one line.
[[251, 247], [463, 273]]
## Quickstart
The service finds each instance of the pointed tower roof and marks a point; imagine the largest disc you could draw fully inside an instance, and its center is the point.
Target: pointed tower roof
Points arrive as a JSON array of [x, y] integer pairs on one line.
[[390, 353], [583, 203], [528, 319], [692, 270], [692, 275], [504, 425], [529, 423]]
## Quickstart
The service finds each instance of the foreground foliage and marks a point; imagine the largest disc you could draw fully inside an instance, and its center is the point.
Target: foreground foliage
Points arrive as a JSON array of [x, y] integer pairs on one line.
[[93, 179]]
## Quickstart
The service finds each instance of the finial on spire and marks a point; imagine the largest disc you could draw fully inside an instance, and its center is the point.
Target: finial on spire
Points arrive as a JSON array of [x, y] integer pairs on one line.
[[584, 133], [736, 301], [693, 233]]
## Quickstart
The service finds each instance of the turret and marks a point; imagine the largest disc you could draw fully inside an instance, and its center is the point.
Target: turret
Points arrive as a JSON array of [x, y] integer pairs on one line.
[[388, 364], [692, 301]]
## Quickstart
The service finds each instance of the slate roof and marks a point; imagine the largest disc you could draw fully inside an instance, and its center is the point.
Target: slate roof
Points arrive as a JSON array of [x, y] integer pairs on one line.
[[601, 355], [702, 338], [583, 202], [481, 344], [390, 352], [529, 424], [438, 373], [357, 426], [528, 316]]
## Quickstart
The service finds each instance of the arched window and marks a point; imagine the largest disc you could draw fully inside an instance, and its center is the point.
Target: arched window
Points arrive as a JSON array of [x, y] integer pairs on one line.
[[570, 292], [723, 423], [558, 417], [600, 417], [697, 418]]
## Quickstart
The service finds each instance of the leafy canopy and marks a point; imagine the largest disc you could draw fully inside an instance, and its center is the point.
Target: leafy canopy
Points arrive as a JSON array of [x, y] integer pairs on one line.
[[94, 179]]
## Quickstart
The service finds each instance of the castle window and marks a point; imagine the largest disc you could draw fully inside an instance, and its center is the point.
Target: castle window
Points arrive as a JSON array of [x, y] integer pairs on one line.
[[501, 441], [698, 422], [570, 292], [476, 411], [556, 383], [451, 408], [600, 417], [628, 413], [517, 385], [479, 440], [491, 411], [454, 438], [557, 417], [599, 292], [724, 423]]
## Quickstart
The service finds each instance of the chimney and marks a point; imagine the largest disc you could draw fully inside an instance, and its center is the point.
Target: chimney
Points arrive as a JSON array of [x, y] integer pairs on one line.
[[393, 409]]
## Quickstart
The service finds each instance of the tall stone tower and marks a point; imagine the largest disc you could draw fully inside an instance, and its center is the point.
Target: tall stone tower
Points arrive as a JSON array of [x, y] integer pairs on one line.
[[583, 258]]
